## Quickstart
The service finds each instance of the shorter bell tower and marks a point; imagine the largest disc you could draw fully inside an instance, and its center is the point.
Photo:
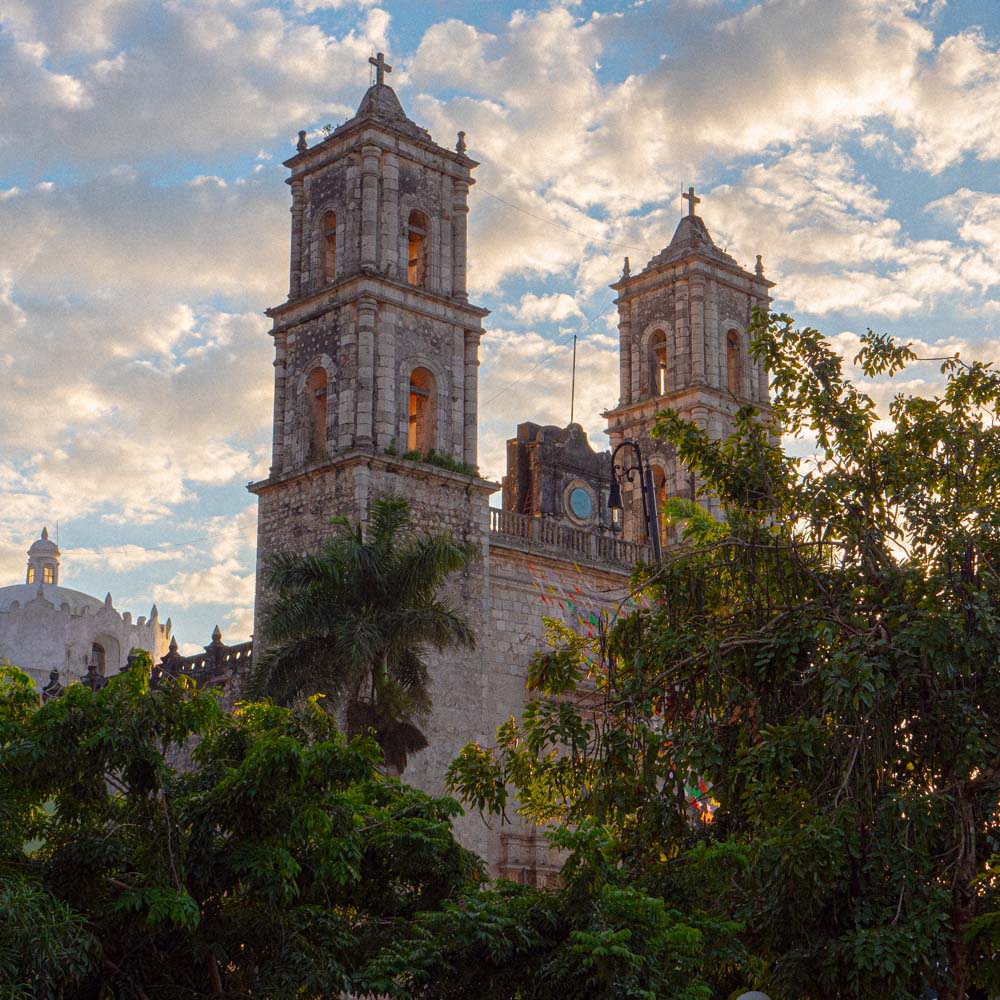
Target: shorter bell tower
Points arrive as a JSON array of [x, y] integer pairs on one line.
[[683, 345]]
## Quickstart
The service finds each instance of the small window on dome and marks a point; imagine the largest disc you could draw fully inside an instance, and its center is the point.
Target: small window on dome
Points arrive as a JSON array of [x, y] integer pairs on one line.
[[47, 574], [31, 574]]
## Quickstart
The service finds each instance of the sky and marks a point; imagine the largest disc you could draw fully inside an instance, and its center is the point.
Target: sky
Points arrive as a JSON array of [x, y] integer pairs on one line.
[[144, 223]]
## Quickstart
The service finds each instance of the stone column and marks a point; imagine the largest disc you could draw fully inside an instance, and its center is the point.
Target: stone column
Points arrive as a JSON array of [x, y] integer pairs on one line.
[[386, 404], [624, 354], [471, 428], [370, 156], [762, 381], [459, 236], [445, 277], [682, 328], [346, 379], [366, 312], [715, 347], [295, 277], [696, 290], [390, 215], [278, 432]]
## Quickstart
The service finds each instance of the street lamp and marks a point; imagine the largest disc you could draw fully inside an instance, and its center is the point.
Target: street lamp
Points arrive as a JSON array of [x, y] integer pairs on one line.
[[650, 520]]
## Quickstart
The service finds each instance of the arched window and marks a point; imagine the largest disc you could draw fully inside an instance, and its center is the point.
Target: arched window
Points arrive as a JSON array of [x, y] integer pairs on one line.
[[316, 391], [48, 574], [329, 247], [734, 363], [423, 407], [660, 498], [98, 656], [658, 363], [416, 269]]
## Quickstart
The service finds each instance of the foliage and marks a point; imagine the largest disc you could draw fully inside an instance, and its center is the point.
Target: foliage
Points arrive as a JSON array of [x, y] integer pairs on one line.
[[442, 461], [817, 675], [354, 621], [273, 859]]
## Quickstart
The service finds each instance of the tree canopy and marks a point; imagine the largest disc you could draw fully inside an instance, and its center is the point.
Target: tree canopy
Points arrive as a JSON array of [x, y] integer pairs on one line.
[[273, 858], [799, 728], [355, 620]]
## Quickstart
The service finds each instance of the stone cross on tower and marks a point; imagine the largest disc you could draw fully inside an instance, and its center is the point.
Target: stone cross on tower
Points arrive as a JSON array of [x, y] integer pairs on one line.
[[381, 68], [690, 198]]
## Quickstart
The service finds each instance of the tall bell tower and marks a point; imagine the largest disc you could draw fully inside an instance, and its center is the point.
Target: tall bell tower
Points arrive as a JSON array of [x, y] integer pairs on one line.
[[376, 347], [683, 345]]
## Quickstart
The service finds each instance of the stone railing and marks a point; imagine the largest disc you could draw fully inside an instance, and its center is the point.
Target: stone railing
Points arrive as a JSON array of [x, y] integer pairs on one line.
[[582, 543], [217, 664]]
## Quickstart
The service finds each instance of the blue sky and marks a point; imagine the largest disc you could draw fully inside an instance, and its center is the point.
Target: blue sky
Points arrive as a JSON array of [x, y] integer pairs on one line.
[[854, 144]]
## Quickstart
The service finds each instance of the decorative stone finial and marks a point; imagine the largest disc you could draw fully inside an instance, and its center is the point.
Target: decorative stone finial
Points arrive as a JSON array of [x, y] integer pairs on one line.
[[53, 689], [381, 68], [759, 269], [217, 632], [45, 534], [460, 146], [302, 145], [94, 680], [154, 613], [173, 644], [108, 603], [626, 269]]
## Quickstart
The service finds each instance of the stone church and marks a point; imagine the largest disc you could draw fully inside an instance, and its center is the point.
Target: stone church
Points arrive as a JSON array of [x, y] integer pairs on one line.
[[376, 381], [58, 635]]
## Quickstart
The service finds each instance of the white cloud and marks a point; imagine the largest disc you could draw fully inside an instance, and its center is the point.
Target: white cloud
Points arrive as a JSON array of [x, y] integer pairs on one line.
[[557, 307]]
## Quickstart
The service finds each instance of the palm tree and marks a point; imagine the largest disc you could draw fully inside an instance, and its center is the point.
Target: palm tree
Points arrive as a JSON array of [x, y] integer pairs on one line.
[[355, 620]]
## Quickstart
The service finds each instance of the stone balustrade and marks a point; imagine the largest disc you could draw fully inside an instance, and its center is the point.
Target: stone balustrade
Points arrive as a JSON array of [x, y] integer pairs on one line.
[[555, 535]]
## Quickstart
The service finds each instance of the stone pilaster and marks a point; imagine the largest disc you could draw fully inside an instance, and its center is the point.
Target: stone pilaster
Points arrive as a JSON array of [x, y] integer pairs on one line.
[[386, 402], [471, 422], [459, 235], [696, 288], [347, 391], [624, 354], [366, 312], [446, 275], [370, 156], [295, 282], [278, 431], [390, 215]]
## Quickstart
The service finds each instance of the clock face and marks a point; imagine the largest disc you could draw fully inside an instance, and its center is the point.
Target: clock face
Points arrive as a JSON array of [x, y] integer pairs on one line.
[[580, 503]]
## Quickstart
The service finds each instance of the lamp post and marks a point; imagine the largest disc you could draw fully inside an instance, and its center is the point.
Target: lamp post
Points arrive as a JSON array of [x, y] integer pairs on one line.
[[650, 520]]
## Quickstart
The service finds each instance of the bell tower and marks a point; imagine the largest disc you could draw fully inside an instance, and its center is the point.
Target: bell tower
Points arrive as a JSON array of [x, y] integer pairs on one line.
[[377, 346], [683, 345]]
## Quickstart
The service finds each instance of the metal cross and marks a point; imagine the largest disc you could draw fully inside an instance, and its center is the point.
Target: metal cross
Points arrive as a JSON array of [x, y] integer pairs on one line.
[[381, 67], [690, 198]]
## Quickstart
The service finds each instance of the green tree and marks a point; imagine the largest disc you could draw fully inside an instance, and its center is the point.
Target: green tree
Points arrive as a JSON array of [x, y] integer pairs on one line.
[[822, 671], [355, 620], [273, 859]]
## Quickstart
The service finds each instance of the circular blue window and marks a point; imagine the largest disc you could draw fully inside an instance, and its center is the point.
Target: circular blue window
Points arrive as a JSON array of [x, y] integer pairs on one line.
[[580, 503]]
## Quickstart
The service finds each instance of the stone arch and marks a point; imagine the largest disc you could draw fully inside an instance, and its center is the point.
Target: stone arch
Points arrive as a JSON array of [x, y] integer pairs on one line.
[[423, 417], [663, 488], [315, 409], [428, 272], [423, 402], [657, 360], [107, 649], [734, 362], [324, 270]]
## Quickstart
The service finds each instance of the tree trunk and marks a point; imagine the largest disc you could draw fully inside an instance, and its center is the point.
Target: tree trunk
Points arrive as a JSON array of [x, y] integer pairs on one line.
[[963, 903]]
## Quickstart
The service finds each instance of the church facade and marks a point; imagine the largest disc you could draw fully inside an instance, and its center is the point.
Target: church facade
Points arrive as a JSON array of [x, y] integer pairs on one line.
[[376, 391], [57, 634]]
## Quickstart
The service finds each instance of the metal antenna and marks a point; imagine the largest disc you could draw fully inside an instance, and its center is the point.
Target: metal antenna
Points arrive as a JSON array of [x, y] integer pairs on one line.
[[572, 390]]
